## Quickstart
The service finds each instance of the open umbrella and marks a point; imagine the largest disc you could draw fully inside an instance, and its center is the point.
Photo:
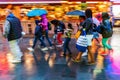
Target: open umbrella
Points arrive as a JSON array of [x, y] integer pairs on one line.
[[76, 12], [36, 12], [55, 22]]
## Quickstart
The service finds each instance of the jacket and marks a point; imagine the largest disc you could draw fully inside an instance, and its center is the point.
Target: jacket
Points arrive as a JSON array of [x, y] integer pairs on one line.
[[88, 26], [13, 28]]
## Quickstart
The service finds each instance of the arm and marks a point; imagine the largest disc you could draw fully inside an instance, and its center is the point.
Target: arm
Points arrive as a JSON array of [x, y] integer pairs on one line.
[[6, 28], [44, 23], [87, 25]]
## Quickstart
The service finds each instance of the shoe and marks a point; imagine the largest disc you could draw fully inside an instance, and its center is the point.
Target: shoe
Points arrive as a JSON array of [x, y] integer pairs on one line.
[[51, 47], [30, 49], [44, 49], [63, 55], [75, 60], [15, 61], [103, 53], [60, 45], [90, 63], [85, 53], [70, 54]]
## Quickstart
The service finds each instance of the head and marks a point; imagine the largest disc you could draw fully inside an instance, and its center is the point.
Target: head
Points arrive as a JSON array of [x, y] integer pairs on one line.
[[105, 15], [8, 11], [70, 26], [43, 16], [88, 13], [99, 16], [82, 18]]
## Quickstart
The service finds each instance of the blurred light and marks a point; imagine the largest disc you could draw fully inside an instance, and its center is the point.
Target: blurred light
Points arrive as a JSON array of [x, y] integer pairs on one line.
[[116, 2], [27, 2], [91, 2], [78, 2]]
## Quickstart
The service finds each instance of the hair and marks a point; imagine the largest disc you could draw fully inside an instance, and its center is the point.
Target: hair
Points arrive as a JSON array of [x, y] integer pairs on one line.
[[105, 15], [88, 13], [70, 26]]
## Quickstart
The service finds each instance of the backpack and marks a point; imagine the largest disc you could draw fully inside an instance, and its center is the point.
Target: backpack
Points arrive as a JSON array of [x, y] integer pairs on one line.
[[106, 30]]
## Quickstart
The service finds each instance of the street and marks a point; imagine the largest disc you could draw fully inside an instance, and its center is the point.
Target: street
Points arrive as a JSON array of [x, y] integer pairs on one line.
[[49, 65]]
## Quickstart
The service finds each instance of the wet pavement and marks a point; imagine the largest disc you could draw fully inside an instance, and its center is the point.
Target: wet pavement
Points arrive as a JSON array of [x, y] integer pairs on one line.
[[48, 65]]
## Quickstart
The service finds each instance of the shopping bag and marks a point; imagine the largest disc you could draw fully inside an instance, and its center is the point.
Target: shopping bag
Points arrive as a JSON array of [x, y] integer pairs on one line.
[[77, 34], [82, 42]]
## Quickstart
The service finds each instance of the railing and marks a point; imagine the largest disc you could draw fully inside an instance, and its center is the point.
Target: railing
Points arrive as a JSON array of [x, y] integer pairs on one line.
[[29, 27]]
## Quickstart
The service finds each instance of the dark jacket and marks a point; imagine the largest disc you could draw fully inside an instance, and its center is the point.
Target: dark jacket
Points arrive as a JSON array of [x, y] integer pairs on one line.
[[15, 28], [38, 29], [106, 29], [88, 25]]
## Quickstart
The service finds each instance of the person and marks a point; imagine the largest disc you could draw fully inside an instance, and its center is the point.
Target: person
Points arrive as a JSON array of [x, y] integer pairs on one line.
[[13, 32], [44, 24], [67, 39], [96, 22], [106, 31], [77, 58], [87, 25], [59, 27], [38, 36]]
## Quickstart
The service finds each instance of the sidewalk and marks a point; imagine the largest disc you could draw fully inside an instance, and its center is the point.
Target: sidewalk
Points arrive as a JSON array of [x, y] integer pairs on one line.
[[48, 65]]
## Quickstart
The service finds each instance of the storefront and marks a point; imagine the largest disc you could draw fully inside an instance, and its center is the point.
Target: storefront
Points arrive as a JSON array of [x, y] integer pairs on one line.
[[55, 8], [116, 12]]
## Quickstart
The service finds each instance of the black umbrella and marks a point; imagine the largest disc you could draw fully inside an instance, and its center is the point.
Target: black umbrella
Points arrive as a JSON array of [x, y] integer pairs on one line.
[[76, 12], [55, 22]]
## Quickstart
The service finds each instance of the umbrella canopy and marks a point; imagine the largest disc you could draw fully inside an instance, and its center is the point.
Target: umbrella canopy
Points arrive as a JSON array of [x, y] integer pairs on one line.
[[36, 12], [76, 12], [55, 22]]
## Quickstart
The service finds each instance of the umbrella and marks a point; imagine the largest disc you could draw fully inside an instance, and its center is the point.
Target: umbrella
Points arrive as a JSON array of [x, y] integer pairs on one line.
[[36, 12], [76, 12], [55, 22]]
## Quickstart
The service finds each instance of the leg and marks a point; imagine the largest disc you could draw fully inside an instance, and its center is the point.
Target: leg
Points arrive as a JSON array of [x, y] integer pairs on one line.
[[90, 54], [46, 35], [59, 35], [65, 46], [78, 57], [42, 41], [15, 50], [34, 42], [68, 40], [106, 46], [105, 43]]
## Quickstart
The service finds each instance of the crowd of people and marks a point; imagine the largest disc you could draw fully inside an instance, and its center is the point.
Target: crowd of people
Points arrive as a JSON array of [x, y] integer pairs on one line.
[[90, 28]]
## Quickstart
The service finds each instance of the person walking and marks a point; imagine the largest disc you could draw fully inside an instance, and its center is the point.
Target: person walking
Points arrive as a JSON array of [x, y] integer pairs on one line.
[[59, 27], [38, 36], [44, 24], [67, 39], [106, 30], [13, 32], [87, 26]]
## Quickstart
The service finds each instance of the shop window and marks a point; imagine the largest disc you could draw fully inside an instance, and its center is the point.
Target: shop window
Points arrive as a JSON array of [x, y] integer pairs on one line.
[[30, 28], [1, 28]]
